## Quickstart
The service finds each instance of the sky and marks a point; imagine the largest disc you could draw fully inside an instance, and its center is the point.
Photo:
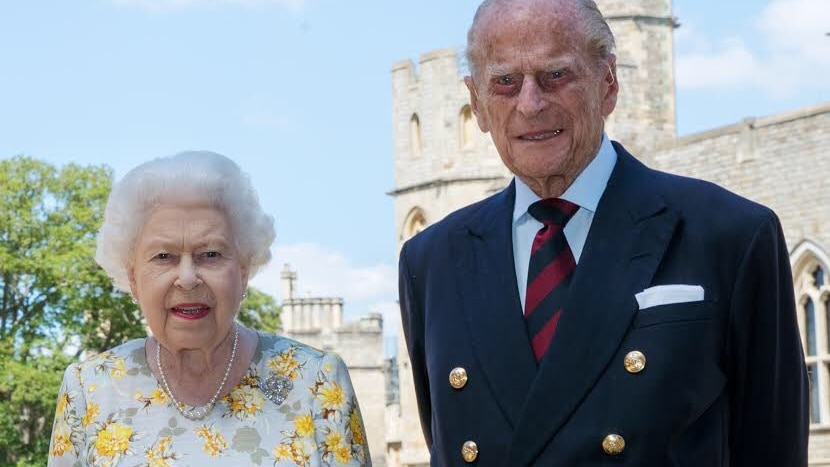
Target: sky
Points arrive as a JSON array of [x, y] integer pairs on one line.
[[298, 93]]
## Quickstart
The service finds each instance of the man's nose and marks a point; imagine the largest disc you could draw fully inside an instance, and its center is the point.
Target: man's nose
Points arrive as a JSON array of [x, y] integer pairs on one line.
[[188, 276], [532, 99]]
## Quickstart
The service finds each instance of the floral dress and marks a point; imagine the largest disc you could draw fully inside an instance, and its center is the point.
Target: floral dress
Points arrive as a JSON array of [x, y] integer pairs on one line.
[[112, 411]]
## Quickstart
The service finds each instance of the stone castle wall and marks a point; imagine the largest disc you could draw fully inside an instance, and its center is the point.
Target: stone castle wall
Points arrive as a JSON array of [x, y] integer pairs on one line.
[[781, 161]]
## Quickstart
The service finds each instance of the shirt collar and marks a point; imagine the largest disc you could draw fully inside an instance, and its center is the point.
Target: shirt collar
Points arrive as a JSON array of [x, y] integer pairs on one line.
[[585, 191]]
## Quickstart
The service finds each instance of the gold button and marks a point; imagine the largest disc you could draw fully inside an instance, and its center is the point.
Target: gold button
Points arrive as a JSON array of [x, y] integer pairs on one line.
[[458, 378], [634, 362], [613, 445], [469, 451]]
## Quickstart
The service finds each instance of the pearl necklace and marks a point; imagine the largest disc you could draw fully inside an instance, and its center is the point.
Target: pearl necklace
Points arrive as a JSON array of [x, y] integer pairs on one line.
[[200, 412]]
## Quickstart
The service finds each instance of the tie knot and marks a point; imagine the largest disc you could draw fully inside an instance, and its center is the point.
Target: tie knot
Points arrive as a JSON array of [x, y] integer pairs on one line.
[[554, 211]]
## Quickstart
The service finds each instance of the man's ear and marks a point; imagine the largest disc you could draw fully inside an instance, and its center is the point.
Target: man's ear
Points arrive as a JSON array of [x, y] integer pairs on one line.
[[609, 101], [475, 105]]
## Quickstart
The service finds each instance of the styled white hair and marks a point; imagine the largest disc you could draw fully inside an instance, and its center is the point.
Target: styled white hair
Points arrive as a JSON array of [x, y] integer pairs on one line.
[[188, 178]]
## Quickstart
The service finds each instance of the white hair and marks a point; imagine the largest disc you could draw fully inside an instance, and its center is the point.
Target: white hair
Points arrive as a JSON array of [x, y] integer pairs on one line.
[[193, 177], [598, 33]]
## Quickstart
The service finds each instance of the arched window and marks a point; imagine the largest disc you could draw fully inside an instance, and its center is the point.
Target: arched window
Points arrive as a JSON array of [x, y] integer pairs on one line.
[[812, 293], [818, 276], [414, 223], [415, 135], [810, 338], [467, 127]]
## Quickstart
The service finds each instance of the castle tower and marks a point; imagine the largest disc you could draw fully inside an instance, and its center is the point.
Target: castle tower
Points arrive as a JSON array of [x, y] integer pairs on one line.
[[442, 160], [645, 113]]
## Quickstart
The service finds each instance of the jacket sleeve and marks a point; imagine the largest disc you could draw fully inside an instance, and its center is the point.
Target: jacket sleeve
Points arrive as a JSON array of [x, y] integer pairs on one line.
[[764, 358], [412, 320]]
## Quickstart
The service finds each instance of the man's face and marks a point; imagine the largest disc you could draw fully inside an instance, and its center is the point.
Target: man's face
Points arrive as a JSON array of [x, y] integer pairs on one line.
[[539, 93]]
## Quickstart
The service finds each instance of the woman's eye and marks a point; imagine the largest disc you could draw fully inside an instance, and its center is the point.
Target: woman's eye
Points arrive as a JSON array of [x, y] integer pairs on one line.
[[163, 256], [211, 254]]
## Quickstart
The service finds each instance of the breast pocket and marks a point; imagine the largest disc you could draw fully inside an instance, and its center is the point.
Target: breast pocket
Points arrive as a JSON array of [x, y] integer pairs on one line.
[[675, 313]]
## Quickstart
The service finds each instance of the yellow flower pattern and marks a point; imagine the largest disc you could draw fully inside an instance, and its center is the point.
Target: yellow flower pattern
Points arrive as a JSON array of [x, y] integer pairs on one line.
[[304, 426], [244, 401], [92, 410], [160, 454], [356, 427], [64, 400], [61, 440], [112, 411], [215, 443], [113, 440], [331, 396], [285, 364], [113, 365], [157, 397]]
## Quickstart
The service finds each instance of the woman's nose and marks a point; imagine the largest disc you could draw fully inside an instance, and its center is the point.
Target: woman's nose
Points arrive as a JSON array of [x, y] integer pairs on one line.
[[188, 277]]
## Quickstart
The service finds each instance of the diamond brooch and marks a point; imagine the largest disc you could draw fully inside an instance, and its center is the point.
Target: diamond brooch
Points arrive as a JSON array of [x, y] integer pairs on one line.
[[276, 388]]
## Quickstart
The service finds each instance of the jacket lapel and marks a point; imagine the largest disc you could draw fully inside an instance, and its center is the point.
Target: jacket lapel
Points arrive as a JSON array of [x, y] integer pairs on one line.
[[490, 300], [629, 235]]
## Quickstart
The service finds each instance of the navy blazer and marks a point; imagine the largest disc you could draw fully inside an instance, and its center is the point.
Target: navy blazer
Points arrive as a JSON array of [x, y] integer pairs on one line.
[[724, 384]]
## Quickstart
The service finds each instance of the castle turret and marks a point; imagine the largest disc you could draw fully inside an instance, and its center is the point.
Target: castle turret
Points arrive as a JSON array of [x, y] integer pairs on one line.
[[645, 113], [442, 160]]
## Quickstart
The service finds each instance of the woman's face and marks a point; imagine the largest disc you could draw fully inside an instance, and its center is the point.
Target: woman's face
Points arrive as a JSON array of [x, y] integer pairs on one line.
[[187, 276]]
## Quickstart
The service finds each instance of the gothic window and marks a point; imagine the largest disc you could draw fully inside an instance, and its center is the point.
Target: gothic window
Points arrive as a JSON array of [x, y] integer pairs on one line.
[[818, 276], [810, 338], [813, 307], [467, 126], [414, 223], [815, 397], [415, 135]]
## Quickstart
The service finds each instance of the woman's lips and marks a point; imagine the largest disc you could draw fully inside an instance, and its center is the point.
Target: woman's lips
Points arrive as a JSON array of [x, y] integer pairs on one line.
[[190, 310]]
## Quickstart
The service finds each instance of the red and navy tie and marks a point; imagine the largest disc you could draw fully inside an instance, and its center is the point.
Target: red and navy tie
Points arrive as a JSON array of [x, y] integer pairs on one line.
[[551, 267]]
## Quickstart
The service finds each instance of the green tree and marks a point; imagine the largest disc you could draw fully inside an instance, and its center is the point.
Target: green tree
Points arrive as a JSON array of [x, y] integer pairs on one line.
[[52, 294], [54, 299], [259, 311]]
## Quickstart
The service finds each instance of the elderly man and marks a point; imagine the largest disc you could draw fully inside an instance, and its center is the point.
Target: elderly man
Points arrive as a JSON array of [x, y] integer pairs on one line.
[[595, 312]]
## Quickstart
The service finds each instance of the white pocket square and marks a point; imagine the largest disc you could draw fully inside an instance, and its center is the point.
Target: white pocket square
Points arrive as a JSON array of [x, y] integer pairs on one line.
[[669, 294]]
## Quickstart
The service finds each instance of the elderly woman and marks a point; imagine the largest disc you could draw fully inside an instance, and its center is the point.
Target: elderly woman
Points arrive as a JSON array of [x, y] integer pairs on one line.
[[183, 235]]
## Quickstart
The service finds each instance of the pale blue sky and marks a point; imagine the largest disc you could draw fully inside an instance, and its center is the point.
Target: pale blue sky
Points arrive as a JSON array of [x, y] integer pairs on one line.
[[299, 94]]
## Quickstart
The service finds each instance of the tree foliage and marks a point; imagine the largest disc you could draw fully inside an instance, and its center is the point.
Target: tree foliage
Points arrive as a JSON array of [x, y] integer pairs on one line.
[[55, 301], [52, 294], [259, 311]]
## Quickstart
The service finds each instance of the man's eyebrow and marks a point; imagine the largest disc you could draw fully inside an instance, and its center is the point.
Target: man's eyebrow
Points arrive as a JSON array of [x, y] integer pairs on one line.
[[498, 69], [502, 69]]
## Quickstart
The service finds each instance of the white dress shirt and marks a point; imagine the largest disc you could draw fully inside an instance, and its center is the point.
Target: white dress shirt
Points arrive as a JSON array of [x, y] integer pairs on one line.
[[585, 192]]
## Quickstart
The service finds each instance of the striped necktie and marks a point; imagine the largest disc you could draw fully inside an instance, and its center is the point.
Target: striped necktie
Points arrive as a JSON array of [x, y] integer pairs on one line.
[[551, 267]]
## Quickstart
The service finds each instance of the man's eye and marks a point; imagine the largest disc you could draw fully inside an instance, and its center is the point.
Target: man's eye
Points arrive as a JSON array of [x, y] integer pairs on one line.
[[211, 254], [163, 256], [507, 84], [549, 79], [508, 80]]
